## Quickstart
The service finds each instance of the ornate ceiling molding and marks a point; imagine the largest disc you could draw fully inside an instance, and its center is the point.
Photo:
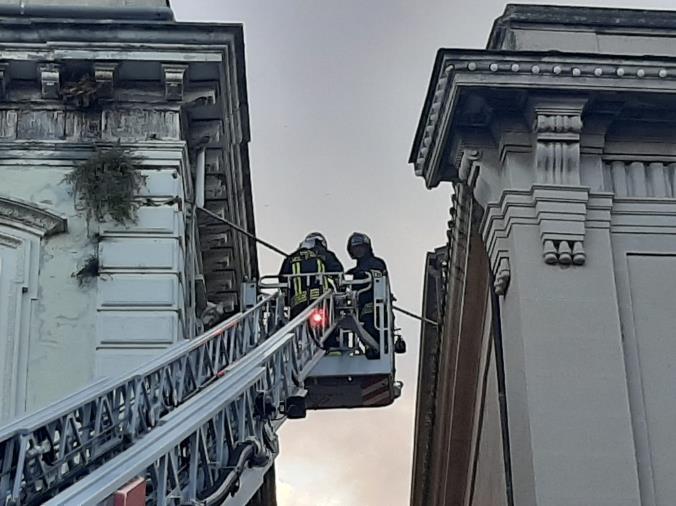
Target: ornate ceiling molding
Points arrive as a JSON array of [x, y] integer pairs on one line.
[[29, 216]]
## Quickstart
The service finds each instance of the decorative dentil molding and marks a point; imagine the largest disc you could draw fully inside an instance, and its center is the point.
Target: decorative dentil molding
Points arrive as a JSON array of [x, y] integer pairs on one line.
[[469, 167], [433, 118], [30, 216], [558, 200]]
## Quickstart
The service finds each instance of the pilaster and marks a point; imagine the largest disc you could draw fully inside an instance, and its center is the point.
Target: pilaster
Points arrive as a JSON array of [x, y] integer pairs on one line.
[[550, 251], [567, 399]]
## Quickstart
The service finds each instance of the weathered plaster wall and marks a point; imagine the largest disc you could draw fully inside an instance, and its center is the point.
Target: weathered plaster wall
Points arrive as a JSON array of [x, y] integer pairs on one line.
[[143, 298], [146, 286], [61, 347], [137, 305]]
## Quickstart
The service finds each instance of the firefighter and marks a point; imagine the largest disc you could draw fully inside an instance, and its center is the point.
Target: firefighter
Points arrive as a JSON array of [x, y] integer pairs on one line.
[[360, 249], [311, 257], [333, 265], [320, 247]]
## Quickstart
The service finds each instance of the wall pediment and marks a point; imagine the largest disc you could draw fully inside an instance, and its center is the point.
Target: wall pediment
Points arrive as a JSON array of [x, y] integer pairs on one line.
[[29, 216]]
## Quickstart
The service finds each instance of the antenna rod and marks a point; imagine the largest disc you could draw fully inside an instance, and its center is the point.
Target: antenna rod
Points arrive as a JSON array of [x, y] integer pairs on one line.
[[243, 231], [415, 316]]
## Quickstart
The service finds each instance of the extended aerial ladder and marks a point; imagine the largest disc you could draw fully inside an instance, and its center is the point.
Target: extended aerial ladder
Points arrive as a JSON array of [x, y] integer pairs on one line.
[[197, 425]]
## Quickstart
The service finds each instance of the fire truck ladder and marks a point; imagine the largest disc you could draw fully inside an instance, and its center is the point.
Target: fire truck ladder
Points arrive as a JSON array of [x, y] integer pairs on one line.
[[196, 425]]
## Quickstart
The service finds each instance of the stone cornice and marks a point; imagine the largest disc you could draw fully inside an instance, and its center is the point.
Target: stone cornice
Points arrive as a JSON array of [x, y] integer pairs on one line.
[[459, 70], [27, 215], [166, 154], [48, 30], [178, 53], [606, 19]]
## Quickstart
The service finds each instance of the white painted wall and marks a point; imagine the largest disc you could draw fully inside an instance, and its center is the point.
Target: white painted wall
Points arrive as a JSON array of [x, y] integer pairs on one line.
[[645, 263], [59, 343], [136, 307]]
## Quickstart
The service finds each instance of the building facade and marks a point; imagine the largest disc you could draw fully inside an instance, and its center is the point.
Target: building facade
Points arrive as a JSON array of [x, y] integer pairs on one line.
[[85, 298], [550, 380]]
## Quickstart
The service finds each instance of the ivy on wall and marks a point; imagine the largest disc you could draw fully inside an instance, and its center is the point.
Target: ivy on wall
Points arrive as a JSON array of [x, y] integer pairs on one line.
[[105, 184]]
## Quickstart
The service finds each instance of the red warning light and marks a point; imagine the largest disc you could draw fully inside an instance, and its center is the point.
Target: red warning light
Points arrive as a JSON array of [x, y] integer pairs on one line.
[[317, 318]]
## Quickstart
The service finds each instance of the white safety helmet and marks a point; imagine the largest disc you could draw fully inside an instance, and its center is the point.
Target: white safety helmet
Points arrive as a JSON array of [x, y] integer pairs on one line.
[[312, 239]]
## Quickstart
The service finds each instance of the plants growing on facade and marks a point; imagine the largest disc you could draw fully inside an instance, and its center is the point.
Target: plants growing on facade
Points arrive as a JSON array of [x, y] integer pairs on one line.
[[82, 93], [105, 184], [88, 271]]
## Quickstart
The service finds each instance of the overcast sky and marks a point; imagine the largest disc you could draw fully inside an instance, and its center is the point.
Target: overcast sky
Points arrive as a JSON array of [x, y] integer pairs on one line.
[[335, 93]]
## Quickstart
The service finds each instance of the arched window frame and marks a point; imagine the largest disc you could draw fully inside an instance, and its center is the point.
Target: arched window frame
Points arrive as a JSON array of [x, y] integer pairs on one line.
[[23, 227]]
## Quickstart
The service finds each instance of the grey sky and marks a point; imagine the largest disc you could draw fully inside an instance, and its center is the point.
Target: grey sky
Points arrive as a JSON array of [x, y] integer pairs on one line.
[[335, 92]]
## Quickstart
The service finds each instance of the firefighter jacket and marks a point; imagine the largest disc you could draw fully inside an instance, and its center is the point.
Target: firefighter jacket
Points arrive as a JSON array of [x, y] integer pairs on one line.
[[374, 266], [303, 290]]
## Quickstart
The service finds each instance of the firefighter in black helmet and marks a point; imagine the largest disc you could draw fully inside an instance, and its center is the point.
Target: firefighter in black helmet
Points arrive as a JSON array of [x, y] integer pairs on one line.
[[311, 257], [360, 249]]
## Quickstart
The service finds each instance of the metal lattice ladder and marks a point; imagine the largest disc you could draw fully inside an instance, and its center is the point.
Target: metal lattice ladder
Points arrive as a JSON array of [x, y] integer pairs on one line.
[[195, 424]]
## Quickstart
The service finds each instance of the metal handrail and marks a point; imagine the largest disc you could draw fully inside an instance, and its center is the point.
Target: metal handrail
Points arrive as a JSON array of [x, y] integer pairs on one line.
[[343, 281]]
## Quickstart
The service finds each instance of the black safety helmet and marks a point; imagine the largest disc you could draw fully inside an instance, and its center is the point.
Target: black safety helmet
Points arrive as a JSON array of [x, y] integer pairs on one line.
[[356, 241]]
